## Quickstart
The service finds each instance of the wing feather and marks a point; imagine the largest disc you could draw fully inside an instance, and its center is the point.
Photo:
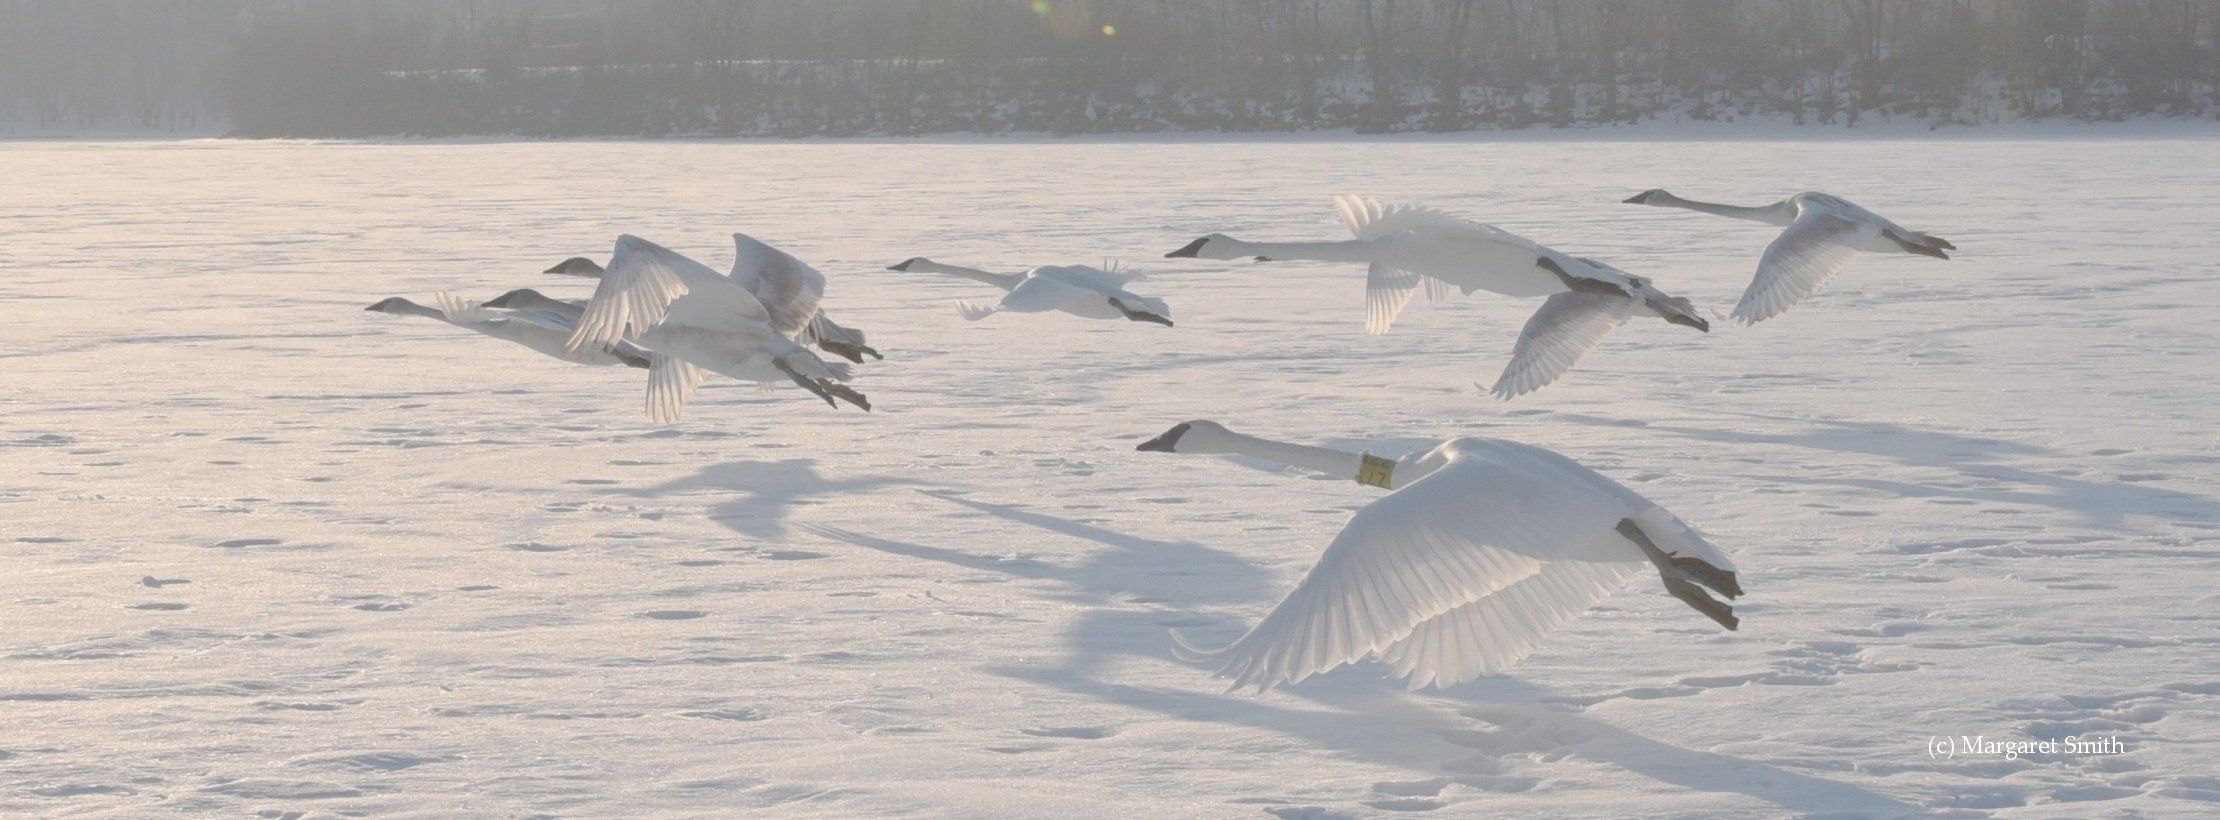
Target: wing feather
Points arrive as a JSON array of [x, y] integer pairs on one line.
[[1813, 250], [460, 310], [1461, 533], [788, 287], [1487, 636], [1566, 327], [1386, 291], [671, 383]]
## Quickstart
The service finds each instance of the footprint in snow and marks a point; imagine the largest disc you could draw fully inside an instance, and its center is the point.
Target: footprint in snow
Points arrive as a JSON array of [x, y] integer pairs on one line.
[[673, 614], [152, 582]]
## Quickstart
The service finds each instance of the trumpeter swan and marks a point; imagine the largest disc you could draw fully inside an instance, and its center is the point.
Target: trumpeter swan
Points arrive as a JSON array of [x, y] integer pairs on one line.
[[1823, 232], [1480, 549]]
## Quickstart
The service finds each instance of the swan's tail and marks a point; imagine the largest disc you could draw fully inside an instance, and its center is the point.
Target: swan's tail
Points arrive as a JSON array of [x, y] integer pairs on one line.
[[975, 312]]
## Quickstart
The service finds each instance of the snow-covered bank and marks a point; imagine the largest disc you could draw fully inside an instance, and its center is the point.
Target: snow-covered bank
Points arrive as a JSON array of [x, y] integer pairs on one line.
[[267, 552]]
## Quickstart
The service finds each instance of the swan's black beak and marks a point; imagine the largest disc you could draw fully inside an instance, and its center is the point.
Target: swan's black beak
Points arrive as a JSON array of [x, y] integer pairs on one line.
[[501, 301], [1636, 199], [903, 265], [1191, 250], [1165, 442]]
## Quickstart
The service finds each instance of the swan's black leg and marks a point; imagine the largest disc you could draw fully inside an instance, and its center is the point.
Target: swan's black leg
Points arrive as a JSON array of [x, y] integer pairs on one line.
[[1578, 284], [807, 383], [1139, 315]]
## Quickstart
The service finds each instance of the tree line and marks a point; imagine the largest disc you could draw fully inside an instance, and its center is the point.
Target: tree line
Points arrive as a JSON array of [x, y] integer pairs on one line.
[[846, 67]]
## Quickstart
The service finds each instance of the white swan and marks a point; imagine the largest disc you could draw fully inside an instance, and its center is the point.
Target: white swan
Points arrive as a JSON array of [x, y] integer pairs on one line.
[[1481, 549], [692, 319], [1405, 246], [541, 331], [775, 277], [1824, 231], [1079, 290]]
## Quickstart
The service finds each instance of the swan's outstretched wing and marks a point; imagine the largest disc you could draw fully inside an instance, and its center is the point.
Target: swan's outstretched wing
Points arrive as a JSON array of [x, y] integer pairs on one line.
[[1370, 218], [642, 281], [1471, 529], [1813, 249], [1040, 293], [1386, 291], [671, 383], [1567, 326], [1487, 636], [788, 287]]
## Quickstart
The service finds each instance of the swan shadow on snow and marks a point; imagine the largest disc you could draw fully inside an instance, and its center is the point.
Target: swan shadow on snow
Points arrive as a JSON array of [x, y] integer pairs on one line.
[[767, 492], [1359, 712], [1133, 564], [2100, 504]]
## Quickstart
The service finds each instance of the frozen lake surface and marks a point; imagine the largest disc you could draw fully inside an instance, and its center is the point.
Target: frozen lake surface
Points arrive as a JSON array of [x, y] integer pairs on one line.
[[266, 552]]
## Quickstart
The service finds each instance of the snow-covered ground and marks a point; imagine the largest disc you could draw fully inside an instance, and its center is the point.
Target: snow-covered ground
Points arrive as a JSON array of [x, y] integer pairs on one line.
[[266, 552]]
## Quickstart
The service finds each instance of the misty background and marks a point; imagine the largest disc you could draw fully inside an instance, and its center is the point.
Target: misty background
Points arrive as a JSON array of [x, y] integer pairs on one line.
[[322, 68]]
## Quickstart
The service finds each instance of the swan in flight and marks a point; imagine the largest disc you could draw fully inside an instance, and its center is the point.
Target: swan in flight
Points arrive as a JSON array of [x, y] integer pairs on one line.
[[1079, 290], [538, 330], [1823, 232], [1480, 549], [771, 274], [1404, 246], [691, 319]]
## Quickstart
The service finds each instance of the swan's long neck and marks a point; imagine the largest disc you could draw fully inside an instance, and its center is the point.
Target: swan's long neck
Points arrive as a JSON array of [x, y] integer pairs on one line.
[[1345, 250], [1004, 281], [1769, 214], [1324, 460]]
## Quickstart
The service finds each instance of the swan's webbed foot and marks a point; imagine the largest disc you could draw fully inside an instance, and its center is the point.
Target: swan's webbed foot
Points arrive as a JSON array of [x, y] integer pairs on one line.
[[1911, 245], [1695, 596], [1683, 574], [853, 353], [806, 382], [1139, 315], [846, 393]]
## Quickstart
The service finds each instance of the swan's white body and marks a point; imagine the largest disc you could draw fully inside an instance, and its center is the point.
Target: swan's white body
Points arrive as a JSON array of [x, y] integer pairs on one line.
[[694, 320], [1080, 290], [1404, 246], [545, 331], [1482, 548], [780, 283], [1823, 232]]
